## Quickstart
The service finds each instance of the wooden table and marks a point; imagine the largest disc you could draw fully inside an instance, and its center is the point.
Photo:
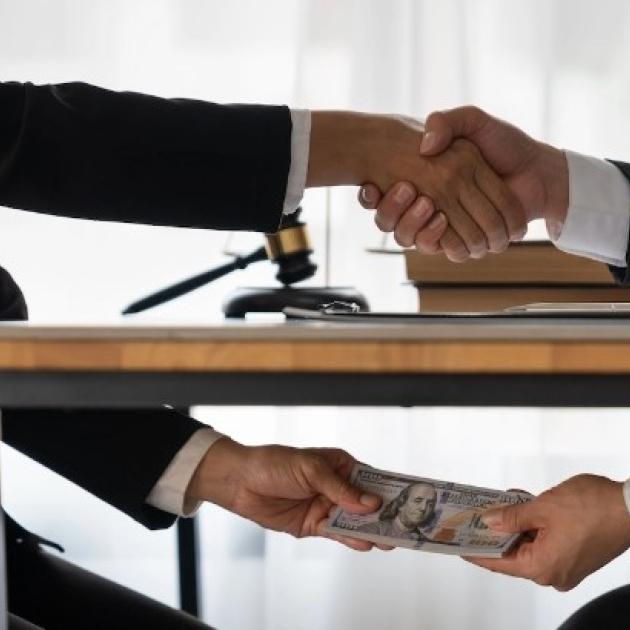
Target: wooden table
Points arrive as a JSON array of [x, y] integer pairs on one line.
[[441, 362], [450, 362]]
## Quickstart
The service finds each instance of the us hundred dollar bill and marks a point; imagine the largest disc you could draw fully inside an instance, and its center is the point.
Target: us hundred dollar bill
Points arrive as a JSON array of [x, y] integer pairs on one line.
[[427, 515]]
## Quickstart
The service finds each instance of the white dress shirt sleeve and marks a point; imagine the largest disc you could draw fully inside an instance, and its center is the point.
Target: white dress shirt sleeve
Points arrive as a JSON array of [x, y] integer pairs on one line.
[[169, 492], [598, 217], [300, 147]]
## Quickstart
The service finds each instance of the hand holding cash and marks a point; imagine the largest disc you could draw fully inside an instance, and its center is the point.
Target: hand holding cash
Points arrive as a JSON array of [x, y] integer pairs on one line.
[[573, 529], [426, 515]]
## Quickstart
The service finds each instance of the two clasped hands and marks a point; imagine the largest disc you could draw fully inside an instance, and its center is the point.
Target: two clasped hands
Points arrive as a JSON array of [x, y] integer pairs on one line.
[[466, 185]]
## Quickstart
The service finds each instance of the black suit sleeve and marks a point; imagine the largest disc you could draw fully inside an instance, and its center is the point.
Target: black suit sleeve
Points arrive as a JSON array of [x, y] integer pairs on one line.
[[622, 274], [82, 151], [77, 150], [117, 455]]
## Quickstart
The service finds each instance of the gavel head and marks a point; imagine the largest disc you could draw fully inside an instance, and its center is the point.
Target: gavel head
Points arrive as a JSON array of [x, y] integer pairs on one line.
[[290, 248]]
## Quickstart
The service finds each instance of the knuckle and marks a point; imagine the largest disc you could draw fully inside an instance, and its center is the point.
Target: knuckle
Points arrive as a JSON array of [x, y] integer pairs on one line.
[[391, 211], [445, 175], [450, 240], [426, 238], [568, 584], [311, 463], [475, 114], [433, 118], [582, 478], [544, 579]]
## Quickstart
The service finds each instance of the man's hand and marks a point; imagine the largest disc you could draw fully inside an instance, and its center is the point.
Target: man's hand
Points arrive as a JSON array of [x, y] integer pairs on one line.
[[423, 228], [572, 530], [285, 489], [535, 172], [481, 212]]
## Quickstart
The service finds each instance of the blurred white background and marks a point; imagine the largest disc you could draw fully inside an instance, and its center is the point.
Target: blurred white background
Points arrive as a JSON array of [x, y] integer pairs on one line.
[[557, 68]]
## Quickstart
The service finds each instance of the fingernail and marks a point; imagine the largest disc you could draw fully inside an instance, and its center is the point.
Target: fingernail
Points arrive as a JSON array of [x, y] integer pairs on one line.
[[554, 228], [365, 195], [492, 519], [428, 141], [422, 209], [437, 222], [369, 500], [404, 194], [478, 251]]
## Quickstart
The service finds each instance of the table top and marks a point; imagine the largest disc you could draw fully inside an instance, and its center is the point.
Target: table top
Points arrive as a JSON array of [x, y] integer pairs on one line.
[[436, 346]]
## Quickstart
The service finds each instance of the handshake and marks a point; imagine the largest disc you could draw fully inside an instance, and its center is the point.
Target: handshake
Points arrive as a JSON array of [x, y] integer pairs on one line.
[[464, 184]]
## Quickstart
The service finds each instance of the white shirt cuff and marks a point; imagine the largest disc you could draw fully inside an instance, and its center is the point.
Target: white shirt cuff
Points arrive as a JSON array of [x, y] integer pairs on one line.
[[626, 493], [598, 217], [169, 492], [300, 148]]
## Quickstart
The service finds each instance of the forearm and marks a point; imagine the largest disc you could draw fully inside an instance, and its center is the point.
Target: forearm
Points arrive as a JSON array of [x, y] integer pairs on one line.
[[350, 148], [337, 148]]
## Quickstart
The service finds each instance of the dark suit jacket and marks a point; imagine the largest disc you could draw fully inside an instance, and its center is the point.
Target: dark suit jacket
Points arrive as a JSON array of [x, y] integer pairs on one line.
[[82, 151], [116, 455]]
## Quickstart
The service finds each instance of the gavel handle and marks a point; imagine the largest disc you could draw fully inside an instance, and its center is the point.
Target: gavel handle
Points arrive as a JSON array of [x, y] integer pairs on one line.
[[190, 284]]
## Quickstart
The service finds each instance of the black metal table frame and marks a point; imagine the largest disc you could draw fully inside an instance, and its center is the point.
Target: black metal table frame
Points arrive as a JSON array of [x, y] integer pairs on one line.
[[187, 389]]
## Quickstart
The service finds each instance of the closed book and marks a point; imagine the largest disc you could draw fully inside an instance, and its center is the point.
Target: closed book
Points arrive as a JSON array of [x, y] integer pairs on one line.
[[484, 298], [528, 262]]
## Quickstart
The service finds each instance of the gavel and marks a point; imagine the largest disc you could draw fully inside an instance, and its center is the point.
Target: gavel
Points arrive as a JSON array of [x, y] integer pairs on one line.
[[289, 248]]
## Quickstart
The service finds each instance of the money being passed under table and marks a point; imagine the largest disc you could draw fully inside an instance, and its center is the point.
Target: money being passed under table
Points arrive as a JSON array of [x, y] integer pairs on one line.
[[427, 515]]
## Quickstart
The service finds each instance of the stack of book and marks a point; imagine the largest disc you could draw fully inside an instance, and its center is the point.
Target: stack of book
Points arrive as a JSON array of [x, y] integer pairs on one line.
[[531, 271]]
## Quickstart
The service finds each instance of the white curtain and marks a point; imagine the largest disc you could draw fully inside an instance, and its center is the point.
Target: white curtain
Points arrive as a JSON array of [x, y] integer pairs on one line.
[[557, 68]]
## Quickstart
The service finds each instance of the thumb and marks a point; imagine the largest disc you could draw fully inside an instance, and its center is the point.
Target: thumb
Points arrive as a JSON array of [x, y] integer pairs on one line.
[[512, 518], [441, 128], [341, 492]]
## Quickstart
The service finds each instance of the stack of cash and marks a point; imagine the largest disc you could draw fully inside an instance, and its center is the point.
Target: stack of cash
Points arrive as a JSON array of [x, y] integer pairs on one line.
[[427, 515]]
